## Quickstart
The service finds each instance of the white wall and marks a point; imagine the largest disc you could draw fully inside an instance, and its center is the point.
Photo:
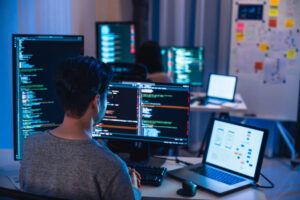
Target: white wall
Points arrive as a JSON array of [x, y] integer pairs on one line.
[[48, 17], [85, 13]]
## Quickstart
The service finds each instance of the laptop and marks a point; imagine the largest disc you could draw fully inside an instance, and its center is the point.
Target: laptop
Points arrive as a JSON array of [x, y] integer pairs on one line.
[[232, 159], [220, 89]]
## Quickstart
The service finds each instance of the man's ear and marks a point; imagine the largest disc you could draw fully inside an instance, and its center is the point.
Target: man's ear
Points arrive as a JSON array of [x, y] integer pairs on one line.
[[96, 103]]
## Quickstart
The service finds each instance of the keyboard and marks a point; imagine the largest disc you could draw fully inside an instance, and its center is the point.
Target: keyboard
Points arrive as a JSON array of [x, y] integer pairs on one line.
[[217, 175], [150, 175]]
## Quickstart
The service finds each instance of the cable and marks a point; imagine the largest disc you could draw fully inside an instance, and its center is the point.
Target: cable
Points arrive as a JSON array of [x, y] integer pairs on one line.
[[266, 187], [181, 161]]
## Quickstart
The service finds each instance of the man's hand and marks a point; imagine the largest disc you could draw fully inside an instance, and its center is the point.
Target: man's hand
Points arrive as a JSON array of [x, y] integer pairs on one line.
[[135, 177]]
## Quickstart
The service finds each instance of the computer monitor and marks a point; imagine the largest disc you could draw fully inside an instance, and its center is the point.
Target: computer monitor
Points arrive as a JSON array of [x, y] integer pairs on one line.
[[148, 112], [221, 86], [115, 42], [184, 64], [35, 58]]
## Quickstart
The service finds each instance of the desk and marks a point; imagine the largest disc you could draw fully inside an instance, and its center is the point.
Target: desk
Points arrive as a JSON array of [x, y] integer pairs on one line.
[[169, 187], [238, 106], [167, 190]]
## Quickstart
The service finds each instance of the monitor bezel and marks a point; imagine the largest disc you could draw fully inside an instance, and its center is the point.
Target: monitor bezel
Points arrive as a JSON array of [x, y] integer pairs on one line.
[[14, 79], [234, 92], [156, 141], [260, 155], [192, 84], [112, 22]]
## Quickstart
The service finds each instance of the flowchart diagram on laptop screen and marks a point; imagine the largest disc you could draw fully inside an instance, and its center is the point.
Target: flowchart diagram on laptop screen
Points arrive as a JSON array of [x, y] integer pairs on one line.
[[234, 147]]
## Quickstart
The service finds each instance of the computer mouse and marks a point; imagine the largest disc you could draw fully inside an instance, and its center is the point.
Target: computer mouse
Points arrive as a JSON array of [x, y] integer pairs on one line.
[[188, 189]]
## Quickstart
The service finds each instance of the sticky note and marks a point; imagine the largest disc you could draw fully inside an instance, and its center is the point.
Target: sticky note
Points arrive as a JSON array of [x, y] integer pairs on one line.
[[272, 23], [239, 36], [258, 66], [263, 47], [291, 54], [289, 23], [273, 12], [274, 2], [240, 26]]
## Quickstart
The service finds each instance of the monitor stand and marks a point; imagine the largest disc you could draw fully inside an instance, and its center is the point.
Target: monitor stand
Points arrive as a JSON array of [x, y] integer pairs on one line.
[[140, 152]]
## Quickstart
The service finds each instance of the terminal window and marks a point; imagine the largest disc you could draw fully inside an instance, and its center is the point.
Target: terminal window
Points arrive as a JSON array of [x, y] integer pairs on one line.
[[36, 106], [146, 112], [184, 65], [115, 42]]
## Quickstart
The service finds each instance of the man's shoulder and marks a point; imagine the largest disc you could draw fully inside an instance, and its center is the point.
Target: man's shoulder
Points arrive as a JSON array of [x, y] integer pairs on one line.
[[105, 156], [35, 138]]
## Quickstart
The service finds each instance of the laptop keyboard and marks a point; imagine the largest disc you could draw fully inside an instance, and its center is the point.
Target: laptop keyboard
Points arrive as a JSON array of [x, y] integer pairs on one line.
[[217, 175]]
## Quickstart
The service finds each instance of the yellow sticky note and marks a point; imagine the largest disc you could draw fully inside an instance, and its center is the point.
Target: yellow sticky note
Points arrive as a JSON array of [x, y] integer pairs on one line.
[[239, 36], [263, 47], [274, 2], [291, 54], [273, 12], [289, 23]]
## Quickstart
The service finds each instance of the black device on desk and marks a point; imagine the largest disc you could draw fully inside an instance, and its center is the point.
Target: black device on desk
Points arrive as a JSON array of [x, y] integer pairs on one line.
[[150, 175], [220, 89], [232, 159], [146, 112], [188, 189]]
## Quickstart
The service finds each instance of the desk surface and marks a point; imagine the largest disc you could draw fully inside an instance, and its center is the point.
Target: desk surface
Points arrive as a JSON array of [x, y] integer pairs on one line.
[[10, 168], [238, 106], [170, 186]]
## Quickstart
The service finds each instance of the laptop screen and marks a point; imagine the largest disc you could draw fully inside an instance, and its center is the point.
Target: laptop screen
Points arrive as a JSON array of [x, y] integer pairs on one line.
[[221, 86], [234, 147]]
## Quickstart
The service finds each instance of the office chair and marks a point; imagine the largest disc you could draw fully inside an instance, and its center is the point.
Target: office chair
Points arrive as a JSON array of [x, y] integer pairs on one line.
[[10, 194]]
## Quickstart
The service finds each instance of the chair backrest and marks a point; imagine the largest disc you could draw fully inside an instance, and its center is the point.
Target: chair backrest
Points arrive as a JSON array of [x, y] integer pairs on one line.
[[129, 72], [10, 194]]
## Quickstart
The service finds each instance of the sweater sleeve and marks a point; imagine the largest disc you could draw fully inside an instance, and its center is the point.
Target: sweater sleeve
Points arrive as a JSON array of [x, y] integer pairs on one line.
[[120, 187]]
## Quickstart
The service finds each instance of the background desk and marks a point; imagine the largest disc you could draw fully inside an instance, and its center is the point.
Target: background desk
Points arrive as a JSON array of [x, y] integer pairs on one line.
[[238, 106], [169, 187]]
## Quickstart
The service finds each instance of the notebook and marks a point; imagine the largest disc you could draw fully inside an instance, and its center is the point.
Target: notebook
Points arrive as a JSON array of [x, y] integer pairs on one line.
[[232, 159]]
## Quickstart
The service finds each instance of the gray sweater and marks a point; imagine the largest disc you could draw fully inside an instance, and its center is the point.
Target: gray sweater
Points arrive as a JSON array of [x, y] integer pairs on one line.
[[73, 169]]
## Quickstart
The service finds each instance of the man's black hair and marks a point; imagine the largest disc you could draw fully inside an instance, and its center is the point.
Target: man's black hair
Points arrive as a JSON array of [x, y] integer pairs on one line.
[[149, 54], [78, 80]]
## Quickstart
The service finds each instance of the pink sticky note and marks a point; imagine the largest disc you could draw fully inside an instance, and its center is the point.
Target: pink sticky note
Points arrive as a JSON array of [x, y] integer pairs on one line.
[[240, 26]]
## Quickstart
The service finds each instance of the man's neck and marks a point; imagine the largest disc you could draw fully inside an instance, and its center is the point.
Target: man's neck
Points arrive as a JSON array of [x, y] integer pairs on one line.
[[73, 128]]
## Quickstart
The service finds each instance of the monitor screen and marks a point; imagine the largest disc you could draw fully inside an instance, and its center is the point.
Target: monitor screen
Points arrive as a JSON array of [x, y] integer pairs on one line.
[[115, 42], [184, 64], [35, 58], [250, 12], [235, 147], [221, 86], [146, 112]]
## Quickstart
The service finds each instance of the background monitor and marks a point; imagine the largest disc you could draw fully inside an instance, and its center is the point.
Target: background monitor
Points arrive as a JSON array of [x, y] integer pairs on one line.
[[35, 58], [146, 112], [250, 11], [184, 64], [115, 42], [222, 86]]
